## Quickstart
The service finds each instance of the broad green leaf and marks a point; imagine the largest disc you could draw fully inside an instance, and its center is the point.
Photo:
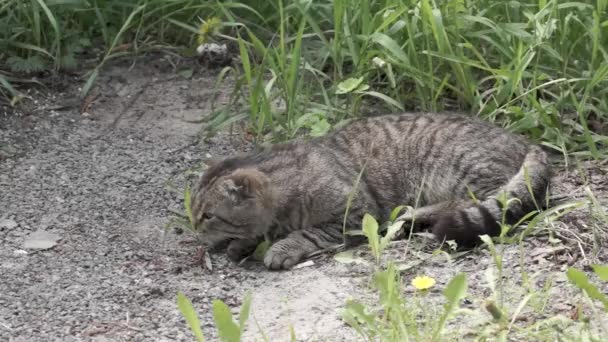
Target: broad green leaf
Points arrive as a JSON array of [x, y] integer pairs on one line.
[[308, 119], [370, 226], [362, 88], [601, 271], [227, 329], [577, 277], [185, 307], [320, 128], [580, 280], [392, 230], [357, 311], [388, 283], [370, 230], [454, 292], [349, 85]]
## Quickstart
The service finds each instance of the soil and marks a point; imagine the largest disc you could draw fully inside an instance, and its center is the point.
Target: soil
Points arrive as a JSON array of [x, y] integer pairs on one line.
[[105, 178]]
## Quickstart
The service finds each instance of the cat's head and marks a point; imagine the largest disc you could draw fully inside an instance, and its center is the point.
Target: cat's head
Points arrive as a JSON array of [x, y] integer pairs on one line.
[[232, 205]]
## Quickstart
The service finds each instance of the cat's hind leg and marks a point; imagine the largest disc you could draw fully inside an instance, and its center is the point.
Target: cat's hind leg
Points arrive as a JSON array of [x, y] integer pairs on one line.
[[428, 215]]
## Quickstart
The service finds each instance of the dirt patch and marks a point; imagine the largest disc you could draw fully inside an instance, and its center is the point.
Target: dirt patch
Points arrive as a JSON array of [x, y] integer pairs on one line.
[[104, 181]]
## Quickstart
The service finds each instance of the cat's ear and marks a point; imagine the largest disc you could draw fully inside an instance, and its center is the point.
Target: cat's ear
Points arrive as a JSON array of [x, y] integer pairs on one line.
[[211, 170], [245, 184], [230, 186]]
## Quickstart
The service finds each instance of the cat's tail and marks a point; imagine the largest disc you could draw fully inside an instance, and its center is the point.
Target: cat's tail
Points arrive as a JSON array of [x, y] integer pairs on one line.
[[526, 192]]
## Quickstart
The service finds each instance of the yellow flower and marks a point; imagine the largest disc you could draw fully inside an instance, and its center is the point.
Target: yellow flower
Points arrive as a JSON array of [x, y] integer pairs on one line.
[[208, 28], [423, 282]]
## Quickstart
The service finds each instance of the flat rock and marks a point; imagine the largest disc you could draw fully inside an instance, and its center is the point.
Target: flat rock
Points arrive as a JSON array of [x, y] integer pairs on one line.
[[41, 239], [8, 224]]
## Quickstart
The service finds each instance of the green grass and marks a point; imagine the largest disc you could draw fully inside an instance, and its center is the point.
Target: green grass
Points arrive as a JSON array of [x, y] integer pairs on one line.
[[58, 35], [538, 67]]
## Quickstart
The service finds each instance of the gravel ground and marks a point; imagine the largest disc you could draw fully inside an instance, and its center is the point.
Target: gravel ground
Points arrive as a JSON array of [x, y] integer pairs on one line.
[[103, 182]]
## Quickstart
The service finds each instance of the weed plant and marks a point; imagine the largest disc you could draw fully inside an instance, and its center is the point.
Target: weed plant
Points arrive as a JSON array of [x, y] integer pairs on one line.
[[538, 67], [397, 316]]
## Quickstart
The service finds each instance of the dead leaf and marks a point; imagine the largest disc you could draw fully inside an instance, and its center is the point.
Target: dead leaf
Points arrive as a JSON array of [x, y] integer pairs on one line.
[[562, 307], [541, 253], [94, 331], [208, 264], [202, 258], [41, 239], [574, 313]]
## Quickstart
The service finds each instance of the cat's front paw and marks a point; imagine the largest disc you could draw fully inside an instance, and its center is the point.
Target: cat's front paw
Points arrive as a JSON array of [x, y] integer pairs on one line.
[[240, 249], [282, 256]]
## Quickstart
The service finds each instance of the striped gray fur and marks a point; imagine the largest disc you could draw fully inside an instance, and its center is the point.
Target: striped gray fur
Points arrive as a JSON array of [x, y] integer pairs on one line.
[[299, 190]]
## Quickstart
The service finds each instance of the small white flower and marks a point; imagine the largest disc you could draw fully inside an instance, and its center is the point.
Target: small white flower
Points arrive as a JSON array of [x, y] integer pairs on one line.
[[379, 62]]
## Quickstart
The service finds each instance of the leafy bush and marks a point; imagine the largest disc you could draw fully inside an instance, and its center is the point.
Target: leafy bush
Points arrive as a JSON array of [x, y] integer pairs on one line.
[[540, 67]]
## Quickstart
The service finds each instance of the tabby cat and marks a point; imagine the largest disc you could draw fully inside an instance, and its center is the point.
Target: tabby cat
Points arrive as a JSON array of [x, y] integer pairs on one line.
[[299, 190]]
